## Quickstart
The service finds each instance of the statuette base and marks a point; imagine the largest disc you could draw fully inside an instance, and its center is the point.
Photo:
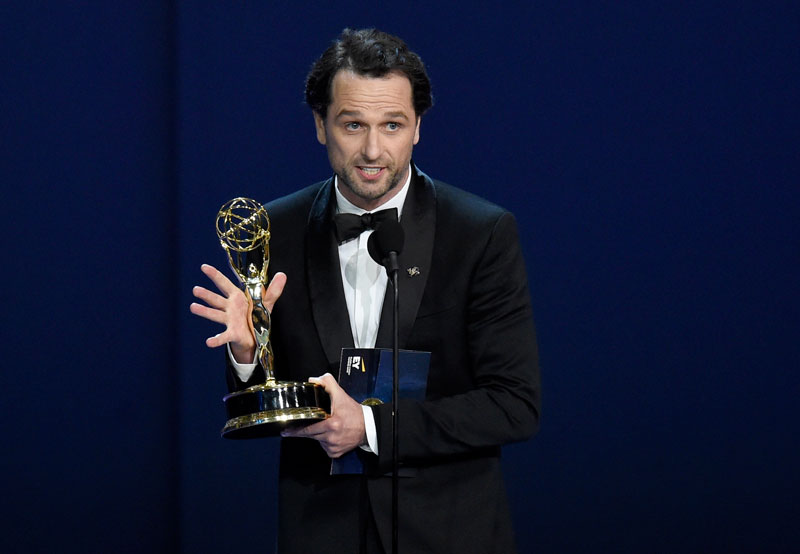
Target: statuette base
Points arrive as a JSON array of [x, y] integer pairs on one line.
[[265, 410]]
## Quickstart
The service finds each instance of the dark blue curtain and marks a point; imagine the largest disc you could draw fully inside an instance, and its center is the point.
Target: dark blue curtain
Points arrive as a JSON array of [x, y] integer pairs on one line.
[[90, 317], [649, 150]]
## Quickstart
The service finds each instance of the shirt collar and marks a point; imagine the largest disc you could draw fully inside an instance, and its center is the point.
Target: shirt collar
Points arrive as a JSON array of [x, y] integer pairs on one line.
[[344, 206]]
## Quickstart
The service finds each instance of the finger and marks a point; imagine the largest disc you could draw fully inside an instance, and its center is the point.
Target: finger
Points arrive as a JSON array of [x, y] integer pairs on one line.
[[327, 382], [274, 290], [209, 297], [309, 431], [334, 452], [224, 284], [217, 340], [217, 316]]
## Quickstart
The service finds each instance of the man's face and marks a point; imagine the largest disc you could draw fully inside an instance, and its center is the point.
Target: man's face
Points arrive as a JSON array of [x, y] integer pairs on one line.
[[370, 131]]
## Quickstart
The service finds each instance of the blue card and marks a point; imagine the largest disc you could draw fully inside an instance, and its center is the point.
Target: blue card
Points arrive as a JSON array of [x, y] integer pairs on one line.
[[366, 375]]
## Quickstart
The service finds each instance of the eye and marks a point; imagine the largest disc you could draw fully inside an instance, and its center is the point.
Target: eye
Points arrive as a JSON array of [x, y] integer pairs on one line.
[[393, 126], [352, 126]]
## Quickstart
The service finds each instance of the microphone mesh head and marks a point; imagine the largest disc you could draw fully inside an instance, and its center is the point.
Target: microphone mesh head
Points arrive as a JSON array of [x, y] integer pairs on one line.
[[387, 237]]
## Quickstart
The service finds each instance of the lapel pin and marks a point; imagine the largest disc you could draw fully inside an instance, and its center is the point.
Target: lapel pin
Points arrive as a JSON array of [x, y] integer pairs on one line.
[[413, 271]]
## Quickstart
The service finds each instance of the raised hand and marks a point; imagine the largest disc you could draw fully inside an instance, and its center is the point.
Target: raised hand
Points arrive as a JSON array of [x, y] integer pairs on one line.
[[232, 309]]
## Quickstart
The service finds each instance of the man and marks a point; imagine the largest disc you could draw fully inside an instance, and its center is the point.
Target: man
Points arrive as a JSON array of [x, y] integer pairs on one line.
[[463, 297]]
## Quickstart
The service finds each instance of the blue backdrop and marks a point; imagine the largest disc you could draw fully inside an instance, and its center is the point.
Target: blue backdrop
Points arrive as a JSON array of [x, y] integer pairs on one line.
[[649, 150]]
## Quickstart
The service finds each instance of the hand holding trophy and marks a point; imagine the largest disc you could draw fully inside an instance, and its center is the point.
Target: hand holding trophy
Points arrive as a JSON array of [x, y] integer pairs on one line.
[[261, 410]]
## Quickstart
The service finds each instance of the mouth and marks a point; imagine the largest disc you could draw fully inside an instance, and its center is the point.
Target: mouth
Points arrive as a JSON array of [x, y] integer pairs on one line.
[[370, 172]]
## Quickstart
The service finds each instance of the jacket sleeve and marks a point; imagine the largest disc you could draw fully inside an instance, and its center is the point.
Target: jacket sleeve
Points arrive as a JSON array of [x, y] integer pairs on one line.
[[496, 345]]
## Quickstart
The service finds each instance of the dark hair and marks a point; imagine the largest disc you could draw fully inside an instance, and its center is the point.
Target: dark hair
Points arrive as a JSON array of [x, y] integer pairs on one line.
[[372, 53]]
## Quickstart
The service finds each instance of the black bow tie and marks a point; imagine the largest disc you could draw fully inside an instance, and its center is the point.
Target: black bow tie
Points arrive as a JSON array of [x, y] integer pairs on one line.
[[349, 226]]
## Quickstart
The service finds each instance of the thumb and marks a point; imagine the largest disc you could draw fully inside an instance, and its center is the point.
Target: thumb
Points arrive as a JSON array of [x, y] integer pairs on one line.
[[333, 389], [274, 290], [327, 382]]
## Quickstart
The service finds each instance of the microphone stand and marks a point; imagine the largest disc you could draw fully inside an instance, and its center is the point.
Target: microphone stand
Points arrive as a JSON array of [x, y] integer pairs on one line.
[[384, 246], [393, 265]]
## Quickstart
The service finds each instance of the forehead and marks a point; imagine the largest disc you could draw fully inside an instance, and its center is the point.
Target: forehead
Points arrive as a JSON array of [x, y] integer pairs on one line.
[[358, 93]]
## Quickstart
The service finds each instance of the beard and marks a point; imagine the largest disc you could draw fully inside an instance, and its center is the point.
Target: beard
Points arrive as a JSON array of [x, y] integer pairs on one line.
[[369, 191]]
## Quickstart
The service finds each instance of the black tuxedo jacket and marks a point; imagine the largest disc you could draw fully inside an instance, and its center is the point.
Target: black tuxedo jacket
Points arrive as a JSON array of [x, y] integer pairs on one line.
[[468, 304]]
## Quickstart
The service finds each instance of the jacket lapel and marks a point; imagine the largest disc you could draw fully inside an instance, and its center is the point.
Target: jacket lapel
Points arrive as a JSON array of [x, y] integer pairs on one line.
[[325, 290], [419, 223]]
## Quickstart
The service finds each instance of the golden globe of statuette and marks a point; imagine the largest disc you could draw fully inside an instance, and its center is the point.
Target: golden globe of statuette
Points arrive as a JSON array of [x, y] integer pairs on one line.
[[242, 223], [261, 410]]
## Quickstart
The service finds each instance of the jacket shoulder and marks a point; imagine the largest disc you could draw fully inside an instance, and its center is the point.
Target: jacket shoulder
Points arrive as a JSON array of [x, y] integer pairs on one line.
[[459, 207], [296, 204]]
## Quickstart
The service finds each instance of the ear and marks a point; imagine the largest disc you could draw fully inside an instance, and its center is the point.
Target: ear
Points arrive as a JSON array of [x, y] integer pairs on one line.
[[416, 131], [319, 123]]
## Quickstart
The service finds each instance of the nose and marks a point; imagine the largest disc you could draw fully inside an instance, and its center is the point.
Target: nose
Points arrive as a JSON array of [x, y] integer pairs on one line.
[[371, 148]]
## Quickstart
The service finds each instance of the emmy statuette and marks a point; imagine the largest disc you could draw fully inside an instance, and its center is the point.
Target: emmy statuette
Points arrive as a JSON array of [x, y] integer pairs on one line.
[[261, 410]]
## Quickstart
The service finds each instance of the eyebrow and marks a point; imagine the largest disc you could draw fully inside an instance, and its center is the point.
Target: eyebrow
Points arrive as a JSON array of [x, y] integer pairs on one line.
[[396, 115], [356, 113], [348, 113]]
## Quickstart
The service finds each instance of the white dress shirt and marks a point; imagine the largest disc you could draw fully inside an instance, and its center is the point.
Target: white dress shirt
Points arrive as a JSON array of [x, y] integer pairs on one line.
[[364, 289]]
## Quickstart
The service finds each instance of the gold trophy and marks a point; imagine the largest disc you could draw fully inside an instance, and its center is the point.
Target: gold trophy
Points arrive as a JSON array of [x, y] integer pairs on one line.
[[261, 410]]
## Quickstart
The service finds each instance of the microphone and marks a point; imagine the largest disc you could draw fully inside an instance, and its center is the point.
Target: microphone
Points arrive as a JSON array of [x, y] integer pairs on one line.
[[386, 243]]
